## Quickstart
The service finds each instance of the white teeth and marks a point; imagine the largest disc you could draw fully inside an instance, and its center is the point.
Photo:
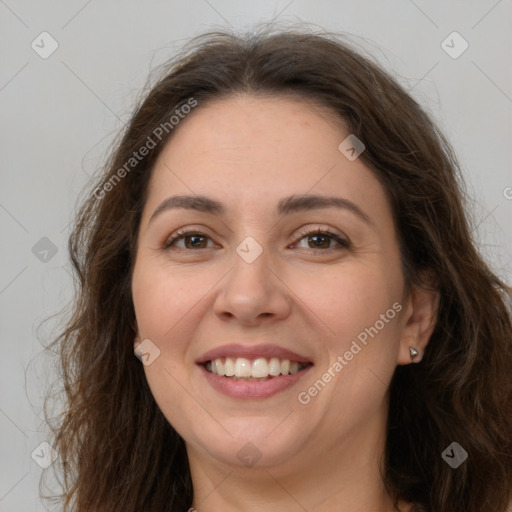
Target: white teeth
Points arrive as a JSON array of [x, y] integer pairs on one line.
[[229, 367], [274, 367], [220, 368], [258, 369], [243, 367], [294, 367]]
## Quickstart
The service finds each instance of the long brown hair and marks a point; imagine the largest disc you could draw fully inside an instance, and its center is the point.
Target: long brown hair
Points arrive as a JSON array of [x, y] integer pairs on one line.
[[116, 449]]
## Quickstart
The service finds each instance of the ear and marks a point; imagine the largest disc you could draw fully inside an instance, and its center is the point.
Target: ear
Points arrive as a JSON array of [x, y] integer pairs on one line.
[[420, 317]]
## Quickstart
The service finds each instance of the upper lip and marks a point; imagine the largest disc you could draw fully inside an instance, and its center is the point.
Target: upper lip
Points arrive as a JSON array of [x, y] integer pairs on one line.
[[251, 352]]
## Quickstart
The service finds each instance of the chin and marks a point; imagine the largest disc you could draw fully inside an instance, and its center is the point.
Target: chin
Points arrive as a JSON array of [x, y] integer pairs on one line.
[[254, 442]]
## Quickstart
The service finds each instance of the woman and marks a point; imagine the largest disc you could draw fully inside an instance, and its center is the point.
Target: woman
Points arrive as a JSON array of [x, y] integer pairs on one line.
[[280, 238]]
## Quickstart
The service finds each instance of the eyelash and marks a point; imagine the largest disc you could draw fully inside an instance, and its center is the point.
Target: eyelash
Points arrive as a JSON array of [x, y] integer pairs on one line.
[[343, 242]]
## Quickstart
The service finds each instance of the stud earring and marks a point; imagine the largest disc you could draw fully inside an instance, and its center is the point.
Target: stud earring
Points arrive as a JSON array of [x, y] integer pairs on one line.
[[413, 352]]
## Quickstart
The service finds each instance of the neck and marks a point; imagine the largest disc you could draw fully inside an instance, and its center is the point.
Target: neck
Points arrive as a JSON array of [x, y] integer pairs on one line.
[[358, 492]]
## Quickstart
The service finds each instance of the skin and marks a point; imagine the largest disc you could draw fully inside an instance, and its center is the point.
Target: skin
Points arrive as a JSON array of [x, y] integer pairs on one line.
[[248, 152]]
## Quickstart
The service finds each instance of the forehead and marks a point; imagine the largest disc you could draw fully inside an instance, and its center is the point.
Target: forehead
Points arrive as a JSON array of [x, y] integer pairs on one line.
[[252, 150]]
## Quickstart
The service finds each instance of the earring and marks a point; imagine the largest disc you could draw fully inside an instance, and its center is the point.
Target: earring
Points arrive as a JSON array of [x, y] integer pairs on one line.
[[413, 352]]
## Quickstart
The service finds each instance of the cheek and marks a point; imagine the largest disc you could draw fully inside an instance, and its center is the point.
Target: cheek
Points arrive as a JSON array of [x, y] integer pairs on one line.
[[163, 301], [164, 306], [347, 299], [359, 307]]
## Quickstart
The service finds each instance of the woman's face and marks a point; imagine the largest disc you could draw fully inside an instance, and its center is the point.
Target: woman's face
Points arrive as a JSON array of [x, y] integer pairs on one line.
[[257, 288]]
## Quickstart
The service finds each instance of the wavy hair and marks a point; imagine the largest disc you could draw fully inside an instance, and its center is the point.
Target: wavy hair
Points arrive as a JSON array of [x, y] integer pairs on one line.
[[116, 449]]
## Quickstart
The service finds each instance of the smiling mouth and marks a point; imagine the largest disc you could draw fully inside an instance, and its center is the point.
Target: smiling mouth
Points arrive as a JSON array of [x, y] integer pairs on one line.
[[260, 369]]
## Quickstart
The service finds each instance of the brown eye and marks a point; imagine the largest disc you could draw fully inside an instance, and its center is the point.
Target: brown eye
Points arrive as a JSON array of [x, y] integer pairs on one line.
[[319, 241], [323, 240], [192, 240], [196, 241]]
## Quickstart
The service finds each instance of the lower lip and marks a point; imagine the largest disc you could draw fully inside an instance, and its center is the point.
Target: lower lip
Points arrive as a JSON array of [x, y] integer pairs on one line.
[[252, 389]]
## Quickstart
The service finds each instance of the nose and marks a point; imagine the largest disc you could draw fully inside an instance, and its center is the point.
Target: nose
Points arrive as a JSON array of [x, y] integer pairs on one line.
[[252, 293]]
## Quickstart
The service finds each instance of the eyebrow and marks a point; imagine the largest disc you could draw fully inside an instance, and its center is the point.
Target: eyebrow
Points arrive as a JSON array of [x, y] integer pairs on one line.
[[286, 206]]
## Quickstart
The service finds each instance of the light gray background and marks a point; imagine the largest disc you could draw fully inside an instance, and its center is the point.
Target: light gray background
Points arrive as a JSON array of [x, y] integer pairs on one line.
[[59, 115]]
